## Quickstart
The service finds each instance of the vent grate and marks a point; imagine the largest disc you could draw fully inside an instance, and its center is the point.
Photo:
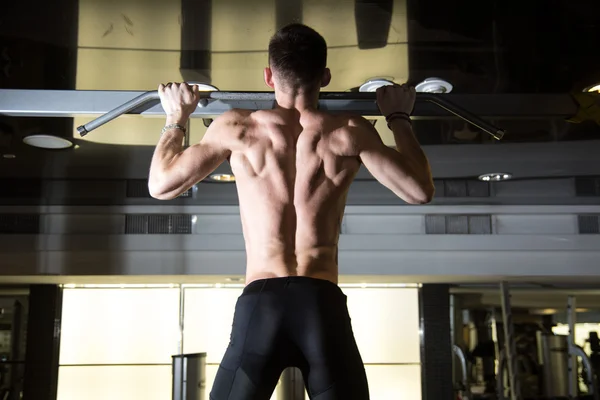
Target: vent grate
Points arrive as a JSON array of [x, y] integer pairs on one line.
[[158, 224], [587, 186], [461, 188], [138, 188], [19, 223], [480, 224], [589, 224], [21, 188]]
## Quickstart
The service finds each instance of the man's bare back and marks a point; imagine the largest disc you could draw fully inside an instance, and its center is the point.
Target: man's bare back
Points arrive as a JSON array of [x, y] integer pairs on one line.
[[293, 169], [293, 172]]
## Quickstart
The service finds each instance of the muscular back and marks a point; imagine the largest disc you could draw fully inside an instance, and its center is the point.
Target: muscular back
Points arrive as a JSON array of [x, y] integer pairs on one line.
[[293, 172]]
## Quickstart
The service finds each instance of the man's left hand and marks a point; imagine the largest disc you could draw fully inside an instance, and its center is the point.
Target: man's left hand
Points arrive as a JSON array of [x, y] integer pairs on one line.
[[179, 100]]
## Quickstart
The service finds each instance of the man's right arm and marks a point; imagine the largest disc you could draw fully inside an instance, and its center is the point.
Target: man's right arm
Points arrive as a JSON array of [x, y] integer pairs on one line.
[[404, 170]]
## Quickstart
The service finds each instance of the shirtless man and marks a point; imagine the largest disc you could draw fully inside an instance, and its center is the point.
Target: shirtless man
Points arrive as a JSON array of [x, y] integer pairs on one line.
[[293, 167]]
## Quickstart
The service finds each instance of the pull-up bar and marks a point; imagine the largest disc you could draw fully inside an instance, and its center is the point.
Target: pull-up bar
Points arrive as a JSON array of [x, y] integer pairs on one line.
[[216, 102]]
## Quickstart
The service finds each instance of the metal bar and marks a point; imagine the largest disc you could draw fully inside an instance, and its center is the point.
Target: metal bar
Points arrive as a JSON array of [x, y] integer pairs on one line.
[[148, 98], [465, 115], [509, 343], [269, 97], [578, 351], [572, 365], [69, 103]]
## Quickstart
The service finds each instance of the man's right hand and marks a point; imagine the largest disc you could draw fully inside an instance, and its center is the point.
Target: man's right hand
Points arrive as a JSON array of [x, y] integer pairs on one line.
[[179, 100], [396, 98]]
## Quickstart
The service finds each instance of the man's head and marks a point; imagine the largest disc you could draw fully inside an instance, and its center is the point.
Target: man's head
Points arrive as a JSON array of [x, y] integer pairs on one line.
[[297, 60]]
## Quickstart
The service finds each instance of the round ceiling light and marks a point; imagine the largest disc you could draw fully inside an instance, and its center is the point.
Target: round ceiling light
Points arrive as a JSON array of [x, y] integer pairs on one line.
[[595, 88], [222, 178], [495, 177], [47, 142], [373, 84], [434, 85]]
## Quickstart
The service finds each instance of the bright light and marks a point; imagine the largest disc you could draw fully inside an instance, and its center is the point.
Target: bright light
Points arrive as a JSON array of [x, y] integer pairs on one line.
[[434, 85], [495, 177], [595, 88], [47, 142], [222, 178], [373, 84], [9, 156]]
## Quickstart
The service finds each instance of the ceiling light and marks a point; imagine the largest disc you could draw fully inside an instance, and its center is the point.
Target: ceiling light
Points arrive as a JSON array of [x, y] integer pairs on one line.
[[9, 156], [434, 85], [495, 177], [595, 88], [373, 84], [47, 142], [222, 178]]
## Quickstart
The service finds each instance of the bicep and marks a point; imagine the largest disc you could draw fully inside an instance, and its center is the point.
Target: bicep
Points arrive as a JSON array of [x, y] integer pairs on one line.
[[386, 164], [199, 160]]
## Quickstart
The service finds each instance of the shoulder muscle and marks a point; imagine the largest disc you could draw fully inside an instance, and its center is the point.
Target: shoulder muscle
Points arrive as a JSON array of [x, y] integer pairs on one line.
[[228, 128]]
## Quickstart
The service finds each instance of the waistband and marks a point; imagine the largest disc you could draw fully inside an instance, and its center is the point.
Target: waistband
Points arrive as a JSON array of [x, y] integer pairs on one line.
[[260, 285]]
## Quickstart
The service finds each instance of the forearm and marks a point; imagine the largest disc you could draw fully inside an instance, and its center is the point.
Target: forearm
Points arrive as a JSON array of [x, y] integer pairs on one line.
[[410, 149], [169, 147]]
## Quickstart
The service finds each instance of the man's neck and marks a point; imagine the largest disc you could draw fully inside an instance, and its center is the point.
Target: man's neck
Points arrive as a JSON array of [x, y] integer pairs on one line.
[[295, 100]]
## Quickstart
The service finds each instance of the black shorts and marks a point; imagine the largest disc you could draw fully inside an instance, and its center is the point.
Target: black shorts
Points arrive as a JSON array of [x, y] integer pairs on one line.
[[291, 322]]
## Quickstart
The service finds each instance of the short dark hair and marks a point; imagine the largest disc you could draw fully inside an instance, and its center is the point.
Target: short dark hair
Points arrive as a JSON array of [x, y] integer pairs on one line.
[[298, 55]]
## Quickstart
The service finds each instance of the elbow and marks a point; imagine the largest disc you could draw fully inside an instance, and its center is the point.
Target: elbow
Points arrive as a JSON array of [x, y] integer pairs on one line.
[[423, 195], [158, 190]]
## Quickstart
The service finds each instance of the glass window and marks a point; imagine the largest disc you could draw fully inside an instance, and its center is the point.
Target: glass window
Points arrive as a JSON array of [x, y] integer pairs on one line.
[[208, 315], [115, 383], [119, 326], [394, 381], [385, 324]]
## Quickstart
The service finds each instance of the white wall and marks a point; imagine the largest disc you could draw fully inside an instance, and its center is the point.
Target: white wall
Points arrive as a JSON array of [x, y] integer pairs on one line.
[[117, 342]]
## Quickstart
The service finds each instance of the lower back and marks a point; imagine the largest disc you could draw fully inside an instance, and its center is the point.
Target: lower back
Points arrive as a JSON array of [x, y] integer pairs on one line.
[[318, 263]]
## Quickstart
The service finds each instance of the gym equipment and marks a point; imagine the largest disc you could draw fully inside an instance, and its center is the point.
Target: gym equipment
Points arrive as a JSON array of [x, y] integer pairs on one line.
[[189, 376], [464, 385], [554, 360], [329, 101], [362, 103]]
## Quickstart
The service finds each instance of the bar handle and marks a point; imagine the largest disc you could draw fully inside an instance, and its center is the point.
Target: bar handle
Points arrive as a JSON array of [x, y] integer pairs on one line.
[[153, 96], [126, 108], [465, 115]]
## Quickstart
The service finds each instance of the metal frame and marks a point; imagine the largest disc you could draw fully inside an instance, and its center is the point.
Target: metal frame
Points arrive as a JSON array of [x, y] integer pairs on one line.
[[330, 101], [510, 349], [572, 361], [69, 103]]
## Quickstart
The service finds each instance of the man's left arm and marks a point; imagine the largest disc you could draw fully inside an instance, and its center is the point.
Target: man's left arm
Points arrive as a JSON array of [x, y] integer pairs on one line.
[[174, 170]]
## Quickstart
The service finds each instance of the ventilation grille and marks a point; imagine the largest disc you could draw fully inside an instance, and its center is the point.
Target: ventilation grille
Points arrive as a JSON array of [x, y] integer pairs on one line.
[[587, 186], [589, 224], [458, 224], [461, 188], [19, 223], [138, 188], [21, 188], [158, 224]]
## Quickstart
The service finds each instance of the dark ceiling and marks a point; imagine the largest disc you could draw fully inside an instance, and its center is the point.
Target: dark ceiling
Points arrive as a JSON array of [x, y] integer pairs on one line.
[[481, 47]]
